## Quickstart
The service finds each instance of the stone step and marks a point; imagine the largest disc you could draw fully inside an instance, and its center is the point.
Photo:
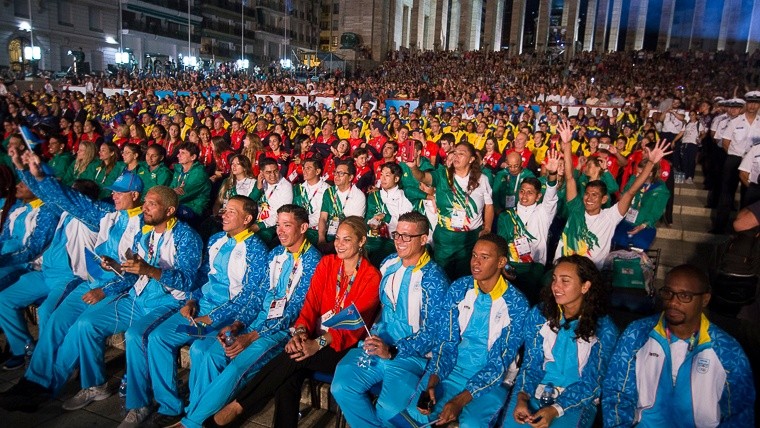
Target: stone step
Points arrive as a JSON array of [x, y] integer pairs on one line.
[[676, 252], [689, 229]]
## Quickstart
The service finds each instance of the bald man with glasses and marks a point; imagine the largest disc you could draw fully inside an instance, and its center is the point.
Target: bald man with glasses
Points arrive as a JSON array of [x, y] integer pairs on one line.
[[393, 359], [677, 368]]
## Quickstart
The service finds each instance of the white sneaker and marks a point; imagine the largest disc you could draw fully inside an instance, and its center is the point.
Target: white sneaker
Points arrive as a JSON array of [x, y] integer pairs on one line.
[[135, 417], [87, 396]]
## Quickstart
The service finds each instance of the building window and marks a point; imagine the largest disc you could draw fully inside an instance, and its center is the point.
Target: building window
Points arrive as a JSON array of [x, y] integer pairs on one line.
[[335, 25], [21, 8], [335, 41], [95, 20], [64, 12], [336, 8]]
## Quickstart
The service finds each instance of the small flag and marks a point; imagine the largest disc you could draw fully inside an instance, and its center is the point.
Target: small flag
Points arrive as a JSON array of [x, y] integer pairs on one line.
[[347, 319], [94, 269], [30, 139]]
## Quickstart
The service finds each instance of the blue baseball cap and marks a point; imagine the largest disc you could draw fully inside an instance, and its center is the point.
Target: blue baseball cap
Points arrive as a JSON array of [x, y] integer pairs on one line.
[[128, 181]]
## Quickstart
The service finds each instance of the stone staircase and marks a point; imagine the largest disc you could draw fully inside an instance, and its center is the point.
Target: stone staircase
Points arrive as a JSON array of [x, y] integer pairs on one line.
[[688, 240]]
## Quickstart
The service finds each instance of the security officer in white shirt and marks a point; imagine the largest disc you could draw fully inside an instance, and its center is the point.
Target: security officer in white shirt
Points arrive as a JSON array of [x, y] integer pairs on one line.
[[732, 108], [742, 134], [749, 175]]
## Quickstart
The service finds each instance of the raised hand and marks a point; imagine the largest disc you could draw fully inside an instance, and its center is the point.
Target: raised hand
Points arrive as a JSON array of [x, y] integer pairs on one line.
[[658, 152], [565, 132], [553, 160]]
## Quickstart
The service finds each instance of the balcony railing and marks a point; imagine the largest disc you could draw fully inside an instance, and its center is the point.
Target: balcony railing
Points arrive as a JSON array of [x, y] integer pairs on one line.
[[159, 30]]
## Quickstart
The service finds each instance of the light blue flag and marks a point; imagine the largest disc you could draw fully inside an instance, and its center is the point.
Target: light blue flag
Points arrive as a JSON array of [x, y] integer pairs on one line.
[[347, 319]]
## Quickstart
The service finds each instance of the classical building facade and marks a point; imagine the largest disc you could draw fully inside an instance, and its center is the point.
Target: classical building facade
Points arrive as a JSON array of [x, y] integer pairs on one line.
[[386, 25], [58, 27], [653, 25]]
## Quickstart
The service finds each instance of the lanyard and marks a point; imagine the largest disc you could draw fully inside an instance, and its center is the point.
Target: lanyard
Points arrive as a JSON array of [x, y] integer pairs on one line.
[[296, 262], [152, 250], [692, 340], [337, 203], [305, 192], [269, 196], [340, 301], [517, 182], [182, 178]]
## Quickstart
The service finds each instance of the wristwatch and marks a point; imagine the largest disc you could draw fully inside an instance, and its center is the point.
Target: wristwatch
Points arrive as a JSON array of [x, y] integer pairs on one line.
[[321, 341], [393, 350], [298, 331]]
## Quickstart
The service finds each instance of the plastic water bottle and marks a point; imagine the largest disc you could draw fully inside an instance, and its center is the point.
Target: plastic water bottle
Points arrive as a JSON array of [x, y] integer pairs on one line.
[[123, 395], [366, 360], [229, 339], [28, 350], [547, 397]]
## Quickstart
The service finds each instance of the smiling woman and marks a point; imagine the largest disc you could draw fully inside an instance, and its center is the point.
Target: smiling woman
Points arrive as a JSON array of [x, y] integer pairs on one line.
[[339, 281], [569, 344]]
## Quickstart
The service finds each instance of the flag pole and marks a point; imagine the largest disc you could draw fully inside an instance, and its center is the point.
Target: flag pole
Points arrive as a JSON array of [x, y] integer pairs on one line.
[[363, 323]]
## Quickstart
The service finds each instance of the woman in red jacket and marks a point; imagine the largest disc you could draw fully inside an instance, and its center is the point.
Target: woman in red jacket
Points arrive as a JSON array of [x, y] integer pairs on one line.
[[339, 280]]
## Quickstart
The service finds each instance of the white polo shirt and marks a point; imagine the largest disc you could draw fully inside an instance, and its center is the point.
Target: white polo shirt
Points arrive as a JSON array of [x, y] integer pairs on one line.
[[743, 135]]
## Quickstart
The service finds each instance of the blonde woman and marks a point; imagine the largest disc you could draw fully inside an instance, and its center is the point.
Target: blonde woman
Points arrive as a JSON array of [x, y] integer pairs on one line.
[[84, 164], [253, 149], [240, 182]]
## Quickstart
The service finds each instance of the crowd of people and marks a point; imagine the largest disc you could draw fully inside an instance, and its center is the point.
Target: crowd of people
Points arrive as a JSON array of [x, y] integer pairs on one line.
[[468, 236]]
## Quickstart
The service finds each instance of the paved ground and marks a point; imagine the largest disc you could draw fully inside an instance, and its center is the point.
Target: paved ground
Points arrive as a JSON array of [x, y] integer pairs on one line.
[[107, 413]]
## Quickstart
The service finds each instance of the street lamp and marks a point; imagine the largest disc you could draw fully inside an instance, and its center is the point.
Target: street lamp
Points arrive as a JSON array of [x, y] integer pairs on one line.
[[32, 53], [242, 64], [122, 58]]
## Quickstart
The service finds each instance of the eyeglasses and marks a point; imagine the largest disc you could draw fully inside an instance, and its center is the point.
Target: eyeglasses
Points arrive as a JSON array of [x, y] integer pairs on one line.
[[405, 238], [341, 173], [683, 296]]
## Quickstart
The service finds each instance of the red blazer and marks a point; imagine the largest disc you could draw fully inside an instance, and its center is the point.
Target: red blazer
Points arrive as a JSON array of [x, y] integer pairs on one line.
[[321, 297]]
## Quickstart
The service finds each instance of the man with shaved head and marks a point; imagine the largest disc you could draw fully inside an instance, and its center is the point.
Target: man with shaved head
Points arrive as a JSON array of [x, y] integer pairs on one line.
[[677, 368], [506, 184]]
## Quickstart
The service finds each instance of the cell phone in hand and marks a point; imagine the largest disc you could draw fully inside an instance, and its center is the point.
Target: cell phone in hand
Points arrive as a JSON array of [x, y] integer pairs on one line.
[[425, 402], [129, 254], [604, 146], [408, 155]]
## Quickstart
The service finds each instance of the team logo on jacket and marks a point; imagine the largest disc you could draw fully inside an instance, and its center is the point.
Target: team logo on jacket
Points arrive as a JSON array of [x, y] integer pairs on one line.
[[703, 365]]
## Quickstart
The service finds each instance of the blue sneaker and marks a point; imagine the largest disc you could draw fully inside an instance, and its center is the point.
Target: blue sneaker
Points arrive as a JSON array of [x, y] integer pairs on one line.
[[15, 362]]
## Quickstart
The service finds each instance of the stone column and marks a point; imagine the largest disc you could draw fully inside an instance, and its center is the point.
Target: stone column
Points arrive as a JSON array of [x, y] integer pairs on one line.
[[666, 24], [542, 27], [697, 25], [494, 22], [617, 10], [456, 6], [753, 40], [637, 21], [600, 31], [571, 10], [516, 28], [588, 37], [725, 21]]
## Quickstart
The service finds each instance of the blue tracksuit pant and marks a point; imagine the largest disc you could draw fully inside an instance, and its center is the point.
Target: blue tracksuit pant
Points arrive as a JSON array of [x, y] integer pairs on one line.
[[163, 345], [31, 287], [480, 412], [52, 335], [214, 380], [85, 342], [351, 386]]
